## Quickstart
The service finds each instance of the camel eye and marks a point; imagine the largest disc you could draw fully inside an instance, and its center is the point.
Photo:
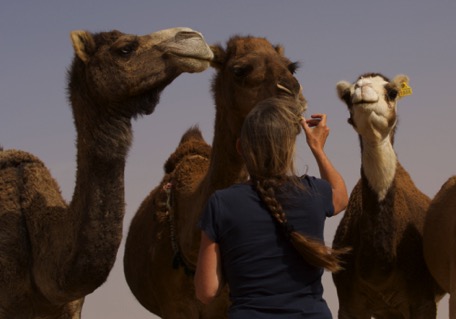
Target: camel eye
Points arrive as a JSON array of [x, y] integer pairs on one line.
[[127, 50], [346, 97], [242, 71], [392, 93]]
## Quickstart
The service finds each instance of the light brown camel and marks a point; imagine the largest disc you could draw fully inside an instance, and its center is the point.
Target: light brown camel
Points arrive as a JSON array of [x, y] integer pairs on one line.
[[385, 275], [439, 240], [52, 254], [163, 240]]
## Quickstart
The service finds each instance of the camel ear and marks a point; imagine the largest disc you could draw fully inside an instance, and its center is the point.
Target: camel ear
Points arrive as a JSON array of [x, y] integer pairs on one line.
[[219, 56], [400, 78], [343, 88], [401, 82], [280, 50], [83, 44]]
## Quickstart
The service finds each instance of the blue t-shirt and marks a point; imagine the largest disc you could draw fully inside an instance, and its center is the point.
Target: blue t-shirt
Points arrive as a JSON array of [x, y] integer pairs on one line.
[[267, 277]]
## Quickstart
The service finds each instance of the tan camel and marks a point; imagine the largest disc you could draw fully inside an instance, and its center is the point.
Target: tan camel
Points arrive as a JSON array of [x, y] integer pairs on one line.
[[163, 240], [385, 275], [52, 254], [439, 240]]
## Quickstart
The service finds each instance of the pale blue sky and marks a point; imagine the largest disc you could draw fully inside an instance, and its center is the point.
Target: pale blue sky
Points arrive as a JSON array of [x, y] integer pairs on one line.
[[333, 40]]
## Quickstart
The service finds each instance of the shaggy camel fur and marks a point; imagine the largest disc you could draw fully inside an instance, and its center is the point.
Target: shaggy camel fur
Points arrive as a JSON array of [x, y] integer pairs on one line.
[[439, 240], [385, 275], [163, 237], [52, 254]]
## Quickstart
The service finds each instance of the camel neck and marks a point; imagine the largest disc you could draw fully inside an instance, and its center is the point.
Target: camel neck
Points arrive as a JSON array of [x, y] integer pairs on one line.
[[99, 182], [226, 166], [101, 155], [379, 162], [98, 205]]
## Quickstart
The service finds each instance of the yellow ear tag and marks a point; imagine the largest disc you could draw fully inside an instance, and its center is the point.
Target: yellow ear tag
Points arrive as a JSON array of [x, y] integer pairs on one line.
[[405, 90]]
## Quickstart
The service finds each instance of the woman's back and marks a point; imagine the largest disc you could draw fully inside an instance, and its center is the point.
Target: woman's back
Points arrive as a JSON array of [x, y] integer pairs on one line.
[[263, 269], [265, 239]]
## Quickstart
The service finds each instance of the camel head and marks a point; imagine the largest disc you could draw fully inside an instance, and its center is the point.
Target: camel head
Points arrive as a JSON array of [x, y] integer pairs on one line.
[[249, 70], [126, 73], [372, 102]]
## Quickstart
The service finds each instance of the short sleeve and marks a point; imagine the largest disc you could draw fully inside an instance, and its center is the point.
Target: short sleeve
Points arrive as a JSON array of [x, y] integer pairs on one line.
[[323, 189], [209, 218]]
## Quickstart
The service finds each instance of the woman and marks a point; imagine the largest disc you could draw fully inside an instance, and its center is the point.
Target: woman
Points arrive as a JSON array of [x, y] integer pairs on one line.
[[264, 238]]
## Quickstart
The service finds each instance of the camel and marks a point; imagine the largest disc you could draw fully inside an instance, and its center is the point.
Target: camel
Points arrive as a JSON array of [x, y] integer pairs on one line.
[[385, 275], [163, 240], [439, 240], [53, 253]]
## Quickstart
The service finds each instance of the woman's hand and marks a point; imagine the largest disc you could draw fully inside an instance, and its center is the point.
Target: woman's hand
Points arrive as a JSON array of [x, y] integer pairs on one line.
[[316, 131], [316, 134]]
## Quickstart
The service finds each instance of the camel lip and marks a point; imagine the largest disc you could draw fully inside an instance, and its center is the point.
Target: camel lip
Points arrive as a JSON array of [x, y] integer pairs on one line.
[[207, 58], [363, 102]]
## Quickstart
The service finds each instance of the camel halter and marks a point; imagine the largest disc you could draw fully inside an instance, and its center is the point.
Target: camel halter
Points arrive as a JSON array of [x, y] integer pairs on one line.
[[178, 258]]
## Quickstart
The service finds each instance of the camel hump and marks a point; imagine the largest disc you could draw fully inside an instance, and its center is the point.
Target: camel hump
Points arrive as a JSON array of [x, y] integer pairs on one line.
[[192, 143], [14, 158], [450, 183], [193, 133]]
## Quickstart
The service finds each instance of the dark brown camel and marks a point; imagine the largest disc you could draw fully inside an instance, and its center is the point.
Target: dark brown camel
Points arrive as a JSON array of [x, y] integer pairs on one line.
[[163, 240], [385, 275], [53, 254]]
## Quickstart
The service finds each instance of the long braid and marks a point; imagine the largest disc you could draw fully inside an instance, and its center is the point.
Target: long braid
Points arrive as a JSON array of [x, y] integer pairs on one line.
[[267, 191], [267, 141], [313, 251]]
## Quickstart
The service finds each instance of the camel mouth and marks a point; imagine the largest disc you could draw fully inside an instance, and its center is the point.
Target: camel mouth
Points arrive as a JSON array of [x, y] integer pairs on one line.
[[192, 62], [299, 97], [363, 102], [204, 58], [368, 108]]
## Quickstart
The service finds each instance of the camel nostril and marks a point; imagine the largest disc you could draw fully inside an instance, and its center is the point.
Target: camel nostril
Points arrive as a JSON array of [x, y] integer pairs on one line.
[[183, 35]]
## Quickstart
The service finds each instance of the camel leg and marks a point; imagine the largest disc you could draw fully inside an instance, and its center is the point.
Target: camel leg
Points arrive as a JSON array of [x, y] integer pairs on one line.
[[343, 314], [428, 310], [390, 316], [73, 309], [353, 306], [452, 300], [452, 304]]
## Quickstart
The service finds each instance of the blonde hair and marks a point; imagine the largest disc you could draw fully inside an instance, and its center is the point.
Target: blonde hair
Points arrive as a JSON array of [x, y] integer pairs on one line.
[[268, 139], [267, 142]]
